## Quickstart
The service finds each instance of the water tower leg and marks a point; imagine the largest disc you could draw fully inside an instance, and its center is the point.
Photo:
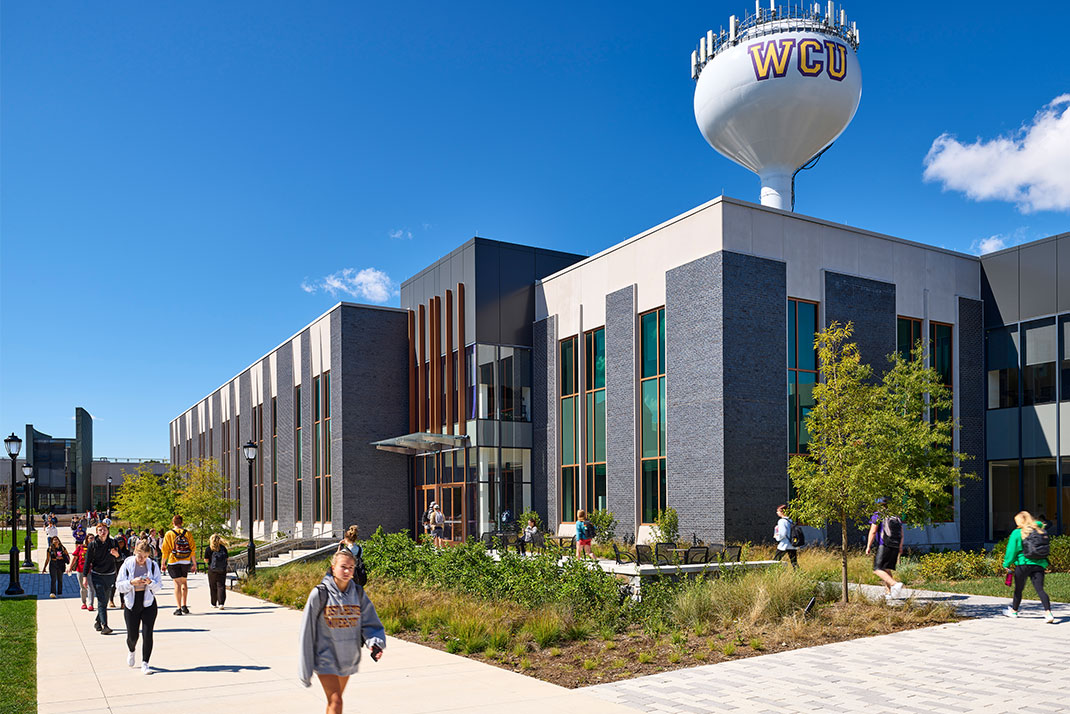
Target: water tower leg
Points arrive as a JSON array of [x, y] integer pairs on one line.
[[776, 190]]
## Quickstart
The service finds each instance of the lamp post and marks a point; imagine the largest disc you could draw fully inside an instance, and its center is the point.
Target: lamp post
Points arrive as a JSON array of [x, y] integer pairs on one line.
[[109, 497], [27, 472], [13, 444], [250, 456]]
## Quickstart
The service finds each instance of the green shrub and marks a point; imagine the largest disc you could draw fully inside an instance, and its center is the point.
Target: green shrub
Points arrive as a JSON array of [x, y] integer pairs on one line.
[[957, 565], [529, 515], [605, 526], [667, 526], [1059, 560], [645, 657]]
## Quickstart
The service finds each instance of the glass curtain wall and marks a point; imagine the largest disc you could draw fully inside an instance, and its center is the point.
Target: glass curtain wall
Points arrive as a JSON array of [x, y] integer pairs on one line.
[[940, 359], [326, 446], [652, 415], [1001, 355], [299, 460], [274, 460], [802, 371], [595, 387], [1003, 488], [570, 456], [1038, 370]]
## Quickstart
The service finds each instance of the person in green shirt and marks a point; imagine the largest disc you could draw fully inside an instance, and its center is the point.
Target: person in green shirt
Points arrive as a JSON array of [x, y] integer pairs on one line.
[[1026, 568]]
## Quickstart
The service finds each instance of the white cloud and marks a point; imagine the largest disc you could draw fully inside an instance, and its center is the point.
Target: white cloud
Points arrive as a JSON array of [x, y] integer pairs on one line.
[[1028, 168], [400, 233], [369, 284], [988, 245]]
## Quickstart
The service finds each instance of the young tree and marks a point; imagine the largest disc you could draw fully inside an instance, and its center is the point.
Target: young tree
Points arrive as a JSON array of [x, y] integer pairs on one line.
[[870, 439], [147, 500], [201, 502]]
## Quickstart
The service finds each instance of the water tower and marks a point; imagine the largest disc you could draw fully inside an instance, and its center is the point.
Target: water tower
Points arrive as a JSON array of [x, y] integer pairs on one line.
[[776, 88]]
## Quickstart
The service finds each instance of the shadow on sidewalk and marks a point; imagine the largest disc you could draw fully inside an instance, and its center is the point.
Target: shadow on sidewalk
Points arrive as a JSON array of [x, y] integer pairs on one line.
[[179, 629], [216, 668]]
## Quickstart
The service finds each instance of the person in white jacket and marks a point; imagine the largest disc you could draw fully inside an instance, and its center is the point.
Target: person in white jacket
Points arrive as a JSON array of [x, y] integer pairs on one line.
[[138, 582], [782, 536]]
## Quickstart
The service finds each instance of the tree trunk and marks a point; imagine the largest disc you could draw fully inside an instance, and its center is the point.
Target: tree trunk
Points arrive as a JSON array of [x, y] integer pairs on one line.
[[843, 552]]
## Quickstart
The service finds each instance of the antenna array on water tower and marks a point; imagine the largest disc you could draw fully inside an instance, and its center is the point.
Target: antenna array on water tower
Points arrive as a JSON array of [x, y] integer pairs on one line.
[[775, 89]]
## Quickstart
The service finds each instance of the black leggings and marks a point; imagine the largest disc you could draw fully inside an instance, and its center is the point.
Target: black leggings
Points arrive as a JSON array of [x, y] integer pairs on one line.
[[55, 574], [793, 556], [217, 587], [143, 617], [1034, 573]]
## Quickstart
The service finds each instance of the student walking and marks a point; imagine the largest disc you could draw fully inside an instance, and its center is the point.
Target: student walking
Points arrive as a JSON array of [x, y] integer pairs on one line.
[[56, 561], [438, 525], [51, 531], [338, 619], [100, 566], [178, 551], [584, 535], [215, 555], [138, 582], [77, 566], [887, 531], [78, 530], [782, 536], [1027, 552]]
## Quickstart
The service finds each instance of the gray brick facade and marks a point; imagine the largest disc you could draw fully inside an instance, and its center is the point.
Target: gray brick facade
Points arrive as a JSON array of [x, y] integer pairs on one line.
[[544, 420], [971, 413], [870, 305], [694, 389], [621, 402], [307, 480], [373, 404], [285, 404]]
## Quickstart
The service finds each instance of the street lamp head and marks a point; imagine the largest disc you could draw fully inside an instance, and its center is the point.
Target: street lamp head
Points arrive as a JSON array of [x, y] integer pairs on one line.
[[13, 444], [109, 480], [250, 450], [27, 471]]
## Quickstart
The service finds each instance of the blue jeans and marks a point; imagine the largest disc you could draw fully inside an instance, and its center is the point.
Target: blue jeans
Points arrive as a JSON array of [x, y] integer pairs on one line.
[[103, 585]]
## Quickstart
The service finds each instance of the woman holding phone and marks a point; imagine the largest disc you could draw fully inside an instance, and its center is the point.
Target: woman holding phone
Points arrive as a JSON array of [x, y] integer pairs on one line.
[[138, 581]]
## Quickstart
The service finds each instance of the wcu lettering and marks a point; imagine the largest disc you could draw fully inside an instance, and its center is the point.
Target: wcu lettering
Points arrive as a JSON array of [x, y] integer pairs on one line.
[[772, 58]]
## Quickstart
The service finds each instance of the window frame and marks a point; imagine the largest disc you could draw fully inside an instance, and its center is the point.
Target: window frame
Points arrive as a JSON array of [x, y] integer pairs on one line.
[[568, 472], [660, 492]]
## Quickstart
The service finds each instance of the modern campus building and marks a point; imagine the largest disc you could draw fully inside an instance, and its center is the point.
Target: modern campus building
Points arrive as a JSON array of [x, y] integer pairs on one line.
[[672, 369]]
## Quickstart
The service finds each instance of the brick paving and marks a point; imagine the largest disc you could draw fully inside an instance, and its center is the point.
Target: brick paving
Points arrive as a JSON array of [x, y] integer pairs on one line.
[[990, 664]]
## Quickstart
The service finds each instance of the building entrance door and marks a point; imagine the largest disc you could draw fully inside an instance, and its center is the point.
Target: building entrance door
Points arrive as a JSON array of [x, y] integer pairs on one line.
[[440, 479]]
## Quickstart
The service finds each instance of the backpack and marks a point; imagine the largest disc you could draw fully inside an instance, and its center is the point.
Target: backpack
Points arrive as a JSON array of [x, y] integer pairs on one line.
[[588, 530], [796, 535], [1036, 545], [182, 549], [891, 531], [360, 570], [217, 561]]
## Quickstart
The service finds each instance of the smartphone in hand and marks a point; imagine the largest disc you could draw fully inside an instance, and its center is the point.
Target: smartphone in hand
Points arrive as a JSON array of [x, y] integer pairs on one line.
[[377, 652]]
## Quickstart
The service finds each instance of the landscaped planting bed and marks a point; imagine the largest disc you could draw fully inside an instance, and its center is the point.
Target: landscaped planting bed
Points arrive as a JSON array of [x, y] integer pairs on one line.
[[568, 623]]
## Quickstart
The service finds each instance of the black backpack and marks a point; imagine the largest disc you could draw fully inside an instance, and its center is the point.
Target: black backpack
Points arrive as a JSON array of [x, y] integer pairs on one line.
[[798, 538], [891, 532], [1036, 545], [217, 561]]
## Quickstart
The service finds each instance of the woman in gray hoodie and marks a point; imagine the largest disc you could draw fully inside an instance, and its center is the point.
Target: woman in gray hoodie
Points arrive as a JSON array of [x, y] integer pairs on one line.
[[338, 620]]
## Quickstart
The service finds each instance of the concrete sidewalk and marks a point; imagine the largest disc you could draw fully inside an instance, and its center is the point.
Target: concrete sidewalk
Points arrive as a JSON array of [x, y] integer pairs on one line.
[[244, 659]]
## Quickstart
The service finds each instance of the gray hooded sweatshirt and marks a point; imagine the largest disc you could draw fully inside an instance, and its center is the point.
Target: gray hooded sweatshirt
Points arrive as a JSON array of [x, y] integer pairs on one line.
[[334, 626]]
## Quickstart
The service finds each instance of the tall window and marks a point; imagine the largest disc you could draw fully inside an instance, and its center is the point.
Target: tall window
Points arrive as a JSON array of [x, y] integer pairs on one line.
[[237, 459], [274, 461], [317, 440], [652, 416], [802, 371], [258, 414], [907, 333], [1001, 356], [940, 358], [1064, 352], [327, 446], [1039, 362], [224, 462], [211, 443], [594, 346], [299, 461], [570, 457]]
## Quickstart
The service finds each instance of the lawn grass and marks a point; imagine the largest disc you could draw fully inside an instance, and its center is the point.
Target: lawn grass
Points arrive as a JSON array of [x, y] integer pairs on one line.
[[18, 666], [4, 563], [1057, 585], [5, 539]]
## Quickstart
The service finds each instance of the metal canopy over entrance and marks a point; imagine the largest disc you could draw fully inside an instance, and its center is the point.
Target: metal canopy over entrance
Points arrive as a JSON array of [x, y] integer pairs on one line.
[[422, 443]]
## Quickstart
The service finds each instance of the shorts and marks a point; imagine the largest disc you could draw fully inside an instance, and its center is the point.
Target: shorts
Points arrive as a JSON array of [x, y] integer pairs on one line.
[[584, 541], [885, 558], [178, 570], [438, 533]]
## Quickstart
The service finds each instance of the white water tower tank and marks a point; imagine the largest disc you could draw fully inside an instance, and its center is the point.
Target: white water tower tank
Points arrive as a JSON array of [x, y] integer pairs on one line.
[[776, 88]]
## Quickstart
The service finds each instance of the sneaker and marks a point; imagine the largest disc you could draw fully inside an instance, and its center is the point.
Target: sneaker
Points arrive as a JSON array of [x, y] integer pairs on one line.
[[185, 610], [105, 630], [83, 606], [1010, 612], [178, 611], [145, 668], [897, 590], [90, 608], [1049, 618], [220, 607], [96, 625], [52, 595], [130, 659]]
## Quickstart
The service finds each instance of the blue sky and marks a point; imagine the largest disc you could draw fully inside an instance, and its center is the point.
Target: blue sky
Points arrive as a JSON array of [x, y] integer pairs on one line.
[[184, 185]]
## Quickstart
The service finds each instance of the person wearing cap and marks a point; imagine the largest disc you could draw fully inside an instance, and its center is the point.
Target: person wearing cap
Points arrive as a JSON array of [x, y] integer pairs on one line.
[[887, 530], [438, 525]]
